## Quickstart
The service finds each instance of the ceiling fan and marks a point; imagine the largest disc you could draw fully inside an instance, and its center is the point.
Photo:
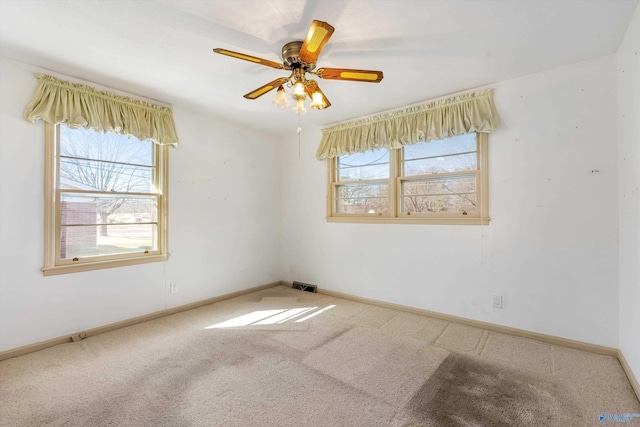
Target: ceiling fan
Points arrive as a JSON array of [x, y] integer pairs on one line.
[[300, 57]]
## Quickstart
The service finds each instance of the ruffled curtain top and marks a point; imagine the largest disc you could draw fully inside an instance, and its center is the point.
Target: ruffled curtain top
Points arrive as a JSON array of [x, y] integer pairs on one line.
[[471, 112], [80, 106]]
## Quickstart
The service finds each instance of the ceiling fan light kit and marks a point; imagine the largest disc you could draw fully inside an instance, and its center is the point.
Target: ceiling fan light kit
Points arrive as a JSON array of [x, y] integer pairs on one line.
[[300, 57], [281, 100]]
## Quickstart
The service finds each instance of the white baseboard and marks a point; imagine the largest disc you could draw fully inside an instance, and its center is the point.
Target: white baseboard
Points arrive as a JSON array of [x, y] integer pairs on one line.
[[7, 354], [627, 370], [550, 339], [608, 351]]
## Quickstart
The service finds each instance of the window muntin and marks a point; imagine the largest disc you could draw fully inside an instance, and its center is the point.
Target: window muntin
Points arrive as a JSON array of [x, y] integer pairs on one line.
[[444, 176], [441, 147], [76, 241], [368, 198], [95, 224], [455, 194], [364, 166], [441, 181], [105, 175], [109, 207], [362, 185]]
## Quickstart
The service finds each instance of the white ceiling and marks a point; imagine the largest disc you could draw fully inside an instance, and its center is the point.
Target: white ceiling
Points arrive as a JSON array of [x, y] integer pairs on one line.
[[426, 49]]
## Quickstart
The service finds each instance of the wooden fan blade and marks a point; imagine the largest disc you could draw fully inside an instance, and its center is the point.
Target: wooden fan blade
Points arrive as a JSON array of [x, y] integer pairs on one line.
[[249, 58], [347, 74], [311, 87], [318, 36], [266, 88]]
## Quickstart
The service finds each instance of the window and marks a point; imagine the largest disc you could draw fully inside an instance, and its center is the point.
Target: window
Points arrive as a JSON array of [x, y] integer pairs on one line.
[[436, 182], [363, 183], [106, 200]]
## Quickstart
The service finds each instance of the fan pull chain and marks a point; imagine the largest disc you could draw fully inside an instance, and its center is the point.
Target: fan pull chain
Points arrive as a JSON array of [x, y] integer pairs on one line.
[[299, 133]]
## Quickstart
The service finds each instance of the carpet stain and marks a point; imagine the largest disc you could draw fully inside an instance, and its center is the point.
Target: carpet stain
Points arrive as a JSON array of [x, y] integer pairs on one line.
[[155, 394], [468, 391]]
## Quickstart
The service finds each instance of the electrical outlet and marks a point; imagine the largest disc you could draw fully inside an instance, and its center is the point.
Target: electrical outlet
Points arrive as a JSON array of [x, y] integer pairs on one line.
[[173, 288], [497, 301]]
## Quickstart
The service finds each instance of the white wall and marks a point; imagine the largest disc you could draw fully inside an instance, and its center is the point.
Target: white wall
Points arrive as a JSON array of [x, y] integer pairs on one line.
[[629, 192], [224, 226], [550, 249]]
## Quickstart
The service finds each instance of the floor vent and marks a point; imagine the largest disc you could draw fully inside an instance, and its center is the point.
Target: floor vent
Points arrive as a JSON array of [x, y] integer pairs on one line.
[[305, 287]]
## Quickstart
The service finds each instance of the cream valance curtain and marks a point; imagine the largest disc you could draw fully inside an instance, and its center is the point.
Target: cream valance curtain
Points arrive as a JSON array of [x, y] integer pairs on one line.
[[80, 106], [471, 112]]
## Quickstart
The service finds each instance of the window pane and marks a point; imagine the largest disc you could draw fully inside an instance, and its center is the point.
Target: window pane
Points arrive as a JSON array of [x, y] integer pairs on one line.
[[103, 176], [99, 240], [364, 159], [110, 147], [454, 145], [363, 190], [445, 194], [84, 208], [453, 203], [374, 205], [364, 173], [441, 185], [457, 163], [362, 198], [363, 166]]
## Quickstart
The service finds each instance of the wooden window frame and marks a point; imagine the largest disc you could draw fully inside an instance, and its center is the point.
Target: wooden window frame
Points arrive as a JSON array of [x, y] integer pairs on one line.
[[480, 217], [53, 265]]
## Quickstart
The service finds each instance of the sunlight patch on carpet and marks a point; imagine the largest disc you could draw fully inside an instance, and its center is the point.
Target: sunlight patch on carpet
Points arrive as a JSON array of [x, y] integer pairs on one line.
[[271, 317], [322, 310]]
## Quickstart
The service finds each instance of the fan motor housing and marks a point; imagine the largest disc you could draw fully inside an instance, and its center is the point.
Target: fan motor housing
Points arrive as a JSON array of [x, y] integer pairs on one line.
[[291, 58]]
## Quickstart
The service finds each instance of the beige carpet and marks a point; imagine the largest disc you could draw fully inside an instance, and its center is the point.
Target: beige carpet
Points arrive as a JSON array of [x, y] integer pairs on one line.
[[282, 357]]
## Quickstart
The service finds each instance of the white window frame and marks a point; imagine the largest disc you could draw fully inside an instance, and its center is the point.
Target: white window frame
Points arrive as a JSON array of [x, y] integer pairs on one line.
[[52, 213], [480, 217]]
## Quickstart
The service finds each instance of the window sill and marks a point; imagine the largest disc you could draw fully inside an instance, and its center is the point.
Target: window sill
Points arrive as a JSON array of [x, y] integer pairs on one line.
[[90, 266], [407, 220]]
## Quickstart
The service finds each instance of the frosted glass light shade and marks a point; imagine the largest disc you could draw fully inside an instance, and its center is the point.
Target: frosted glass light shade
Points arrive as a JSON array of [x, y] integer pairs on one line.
[[281, 100], [299, 108], [298, 91], [316, 101]]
